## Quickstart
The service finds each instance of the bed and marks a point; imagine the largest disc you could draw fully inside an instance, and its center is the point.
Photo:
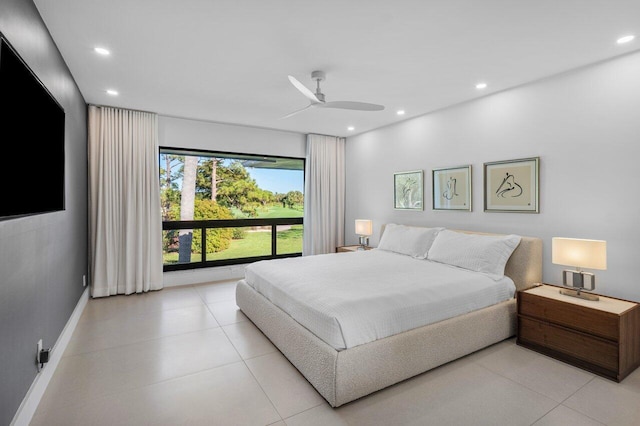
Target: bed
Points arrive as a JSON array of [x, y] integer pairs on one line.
[[354, 323]]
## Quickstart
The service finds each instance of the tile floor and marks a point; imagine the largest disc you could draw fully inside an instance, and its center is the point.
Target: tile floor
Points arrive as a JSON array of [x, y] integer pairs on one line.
[[187, 356]]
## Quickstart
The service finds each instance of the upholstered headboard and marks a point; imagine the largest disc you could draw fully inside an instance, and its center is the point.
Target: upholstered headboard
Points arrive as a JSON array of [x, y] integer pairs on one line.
[[524, 266]]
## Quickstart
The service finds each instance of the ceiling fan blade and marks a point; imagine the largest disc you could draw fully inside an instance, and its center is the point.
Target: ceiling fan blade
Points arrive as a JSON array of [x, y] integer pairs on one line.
[[302, 88], [361, 106], [297, 111]]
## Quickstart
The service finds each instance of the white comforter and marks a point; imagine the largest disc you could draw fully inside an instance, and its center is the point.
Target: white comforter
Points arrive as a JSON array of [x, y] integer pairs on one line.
[[348, 299]]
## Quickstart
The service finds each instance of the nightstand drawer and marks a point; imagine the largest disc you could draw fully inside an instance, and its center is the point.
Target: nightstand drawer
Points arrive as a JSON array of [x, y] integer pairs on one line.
[[575, 344], [592, 321]]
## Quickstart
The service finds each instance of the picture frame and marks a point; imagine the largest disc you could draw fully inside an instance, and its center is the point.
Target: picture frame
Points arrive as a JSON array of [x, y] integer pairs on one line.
[[408, 190], [512, 186], [451, 188]]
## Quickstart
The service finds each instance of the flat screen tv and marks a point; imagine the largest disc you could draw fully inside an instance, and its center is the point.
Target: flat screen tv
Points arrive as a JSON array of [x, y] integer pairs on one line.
[[31, 141]]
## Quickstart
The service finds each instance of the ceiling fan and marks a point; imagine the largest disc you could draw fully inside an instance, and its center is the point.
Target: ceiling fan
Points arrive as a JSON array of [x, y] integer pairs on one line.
[[316, 100]]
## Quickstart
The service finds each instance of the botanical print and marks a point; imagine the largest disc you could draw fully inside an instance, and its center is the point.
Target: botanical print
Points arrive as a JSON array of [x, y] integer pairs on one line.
[[452, 188], [512, 186], [408, 191]]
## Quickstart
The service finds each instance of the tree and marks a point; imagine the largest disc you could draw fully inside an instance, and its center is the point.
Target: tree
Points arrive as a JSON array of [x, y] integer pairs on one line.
[[231, 186], [266, 197], [170, 172], [293, 198], [187, 201], [236, 189], [214, 182], [207, 178], [170, 175]]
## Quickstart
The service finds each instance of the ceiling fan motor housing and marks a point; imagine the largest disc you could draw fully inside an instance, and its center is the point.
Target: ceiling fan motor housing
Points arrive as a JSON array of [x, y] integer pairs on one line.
[[318, 75]]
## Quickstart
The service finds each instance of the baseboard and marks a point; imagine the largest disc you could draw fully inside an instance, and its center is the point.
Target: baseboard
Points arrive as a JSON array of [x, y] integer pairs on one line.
[[203, 275], [31, 400]]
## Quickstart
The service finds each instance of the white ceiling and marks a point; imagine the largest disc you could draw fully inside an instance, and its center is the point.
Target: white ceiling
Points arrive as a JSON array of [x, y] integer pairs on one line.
[[228, 60]]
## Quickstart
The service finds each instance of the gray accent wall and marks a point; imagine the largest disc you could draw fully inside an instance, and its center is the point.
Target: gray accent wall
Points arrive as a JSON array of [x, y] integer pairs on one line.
[[585, 127], [43, 257]]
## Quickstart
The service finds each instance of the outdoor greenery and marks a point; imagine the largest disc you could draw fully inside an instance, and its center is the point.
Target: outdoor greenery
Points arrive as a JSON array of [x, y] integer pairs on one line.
[[217, 239], [254, 244], [273, 211], [202, 188]]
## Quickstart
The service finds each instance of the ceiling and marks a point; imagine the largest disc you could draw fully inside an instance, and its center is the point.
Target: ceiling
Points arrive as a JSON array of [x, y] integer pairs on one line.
[[228, 60]]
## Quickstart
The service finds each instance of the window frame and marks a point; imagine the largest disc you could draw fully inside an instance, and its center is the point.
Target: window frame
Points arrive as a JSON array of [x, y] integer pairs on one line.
[[204, 225]]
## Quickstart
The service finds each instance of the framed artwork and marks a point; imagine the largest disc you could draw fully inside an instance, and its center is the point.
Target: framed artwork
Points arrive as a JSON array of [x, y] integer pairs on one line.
[[408, 192], [512, 186], [451, 188]]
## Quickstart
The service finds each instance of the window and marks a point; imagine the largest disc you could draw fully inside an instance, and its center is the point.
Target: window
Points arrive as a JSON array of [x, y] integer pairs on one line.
[[222, 208]]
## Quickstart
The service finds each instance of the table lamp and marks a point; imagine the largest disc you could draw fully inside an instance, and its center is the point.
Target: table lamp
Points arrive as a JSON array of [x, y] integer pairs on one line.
[[364, 228], [579, 253]]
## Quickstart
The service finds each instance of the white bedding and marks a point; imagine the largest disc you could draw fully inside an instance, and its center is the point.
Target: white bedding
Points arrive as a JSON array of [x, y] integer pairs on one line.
[[348, 299]]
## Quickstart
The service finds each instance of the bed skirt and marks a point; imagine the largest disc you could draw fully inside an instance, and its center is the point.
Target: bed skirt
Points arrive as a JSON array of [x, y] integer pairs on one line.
[[343, 376]]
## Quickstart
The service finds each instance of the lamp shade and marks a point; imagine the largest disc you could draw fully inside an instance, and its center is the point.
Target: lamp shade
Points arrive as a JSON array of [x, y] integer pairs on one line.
[[589, 254], [364, 227]]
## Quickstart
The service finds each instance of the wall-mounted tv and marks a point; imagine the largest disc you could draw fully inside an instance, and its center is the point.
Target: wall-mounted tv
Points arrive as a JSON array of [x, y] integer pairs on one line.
[[31, 140]]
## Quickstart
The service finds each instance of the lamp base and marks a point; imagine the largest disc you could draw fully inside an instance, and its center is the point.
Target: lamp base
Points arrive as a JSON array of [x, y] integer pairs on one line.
[[578, 279], [363, 241], [579, 294]]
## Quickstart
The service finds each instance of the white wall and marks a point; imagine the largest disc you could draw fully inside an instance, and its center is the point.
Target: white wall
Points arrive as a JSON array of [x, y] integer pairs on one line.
[[203, 135], [195, 134], [585, 127]]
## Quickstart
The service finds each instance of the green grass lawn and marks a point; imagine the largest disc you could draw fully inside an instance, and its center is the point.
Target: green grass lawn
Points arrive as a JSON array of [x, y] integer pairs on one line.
[[259, 244], [271, 212], [279, 211]]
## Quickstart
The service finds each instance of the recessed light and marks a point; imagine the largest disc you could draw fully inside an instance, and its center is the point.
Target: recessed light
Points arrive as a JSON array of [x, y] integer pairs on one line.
[[400, 112], [112, 92], [481, 86], [351, 128], [626, 39], [101, 51]]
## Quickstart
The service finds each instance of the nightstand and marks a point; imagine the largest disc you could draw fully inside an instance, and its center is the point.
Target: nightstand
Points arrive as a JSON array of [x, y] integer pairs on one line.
[[345, 249], [602, 336]]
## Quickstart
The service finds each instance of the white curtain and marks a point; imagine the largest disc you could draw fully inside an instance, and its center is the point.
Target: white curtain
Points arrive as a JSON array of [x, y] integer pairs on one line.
[[324, 194], [124, 202]]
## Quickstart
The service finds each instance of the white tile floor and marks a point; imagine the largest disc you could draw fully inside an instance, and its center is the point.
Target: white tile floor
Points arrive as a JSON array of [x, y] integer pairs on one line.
[[188, 356]]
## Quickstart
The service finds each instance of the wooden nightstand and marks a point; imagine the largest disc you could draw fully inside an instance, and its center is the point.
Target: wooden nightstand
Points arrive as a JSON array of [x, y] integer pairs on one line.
[[345, 249], [601, 336]]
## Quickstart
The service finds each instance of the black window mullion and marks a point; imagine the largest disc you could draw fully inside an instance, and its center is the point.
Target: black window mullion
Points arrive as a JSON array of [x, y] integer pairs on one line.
[[274, 237], [203, 244]]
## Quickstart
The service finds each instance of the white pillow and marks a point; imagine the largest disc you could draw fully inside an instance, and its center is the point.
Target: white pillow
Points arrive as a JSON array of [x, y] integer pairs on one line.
[[481, 253], [413, 241]]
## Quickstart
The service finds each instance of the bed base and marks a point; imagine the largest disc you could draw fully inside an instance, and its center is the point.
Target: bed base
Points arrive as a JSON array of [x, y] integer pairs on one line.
[[343, 376]]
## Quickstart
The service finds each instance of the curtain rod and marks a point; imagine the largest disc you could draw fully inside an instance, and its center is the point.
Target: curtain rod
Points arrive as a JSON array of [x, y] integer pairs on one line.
[[329, 136], [125, 109]]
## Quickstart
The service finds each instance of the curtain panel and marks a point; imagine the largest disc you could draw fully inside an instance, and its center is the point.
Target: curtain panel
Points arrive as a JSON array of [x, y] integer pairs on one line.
[[125, 219], [324, 195]]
